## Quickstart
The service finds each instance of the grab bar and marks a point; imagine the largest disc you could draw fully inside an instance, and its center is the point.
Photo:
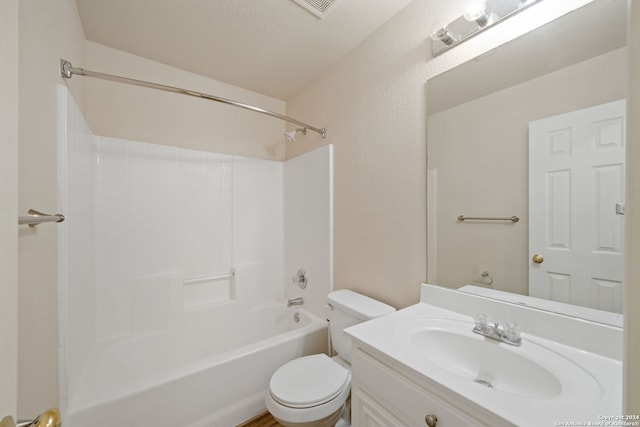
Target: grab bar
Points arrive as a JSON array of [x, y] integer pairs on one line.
[[230, 275], [34, 218], [462, 218]]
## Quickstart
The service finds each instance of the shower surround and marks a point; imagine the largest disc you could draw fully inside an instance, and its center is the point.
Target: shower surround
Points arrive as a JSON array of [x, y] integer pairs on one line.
[[175, 268]]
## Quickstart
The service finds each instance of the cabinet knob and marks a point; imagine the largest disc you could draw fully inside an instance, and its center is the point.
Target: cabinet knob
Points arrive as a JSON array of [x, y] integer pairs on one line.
[[431, 420]]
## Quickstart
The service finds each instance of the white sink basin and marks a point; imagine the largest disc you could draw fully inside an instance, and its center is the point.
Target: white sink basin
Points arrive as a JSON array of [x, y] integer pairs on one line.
[[530, 371]]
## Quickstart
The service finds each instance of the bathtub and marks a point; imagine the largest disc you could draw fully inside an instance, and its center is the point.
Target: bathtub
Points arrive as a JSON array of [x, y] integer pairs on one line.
[[173, 378]]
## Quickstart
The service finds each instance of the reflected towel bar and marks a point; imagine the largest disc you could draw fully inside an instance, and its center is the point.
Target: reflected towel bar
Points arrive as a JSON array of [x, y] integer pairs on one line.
[[469, 218], [34, 218]]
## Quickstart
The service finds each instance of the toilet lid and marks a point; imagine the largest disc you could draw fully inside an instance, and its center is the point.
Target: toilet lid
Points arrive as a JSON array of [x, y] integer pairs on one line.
[[308, 381]]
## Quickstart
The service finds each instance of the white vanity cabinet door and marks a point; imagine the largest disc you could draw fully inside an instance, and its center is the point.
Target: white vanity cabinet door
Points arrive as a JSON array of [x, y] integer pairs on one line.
[[367, 412], [382, 397]]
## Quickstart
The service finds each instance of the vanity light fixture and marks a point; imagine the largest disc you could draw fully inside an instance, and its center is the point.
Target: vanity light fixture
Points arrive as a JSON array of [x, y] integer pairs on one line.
[[479, 15]]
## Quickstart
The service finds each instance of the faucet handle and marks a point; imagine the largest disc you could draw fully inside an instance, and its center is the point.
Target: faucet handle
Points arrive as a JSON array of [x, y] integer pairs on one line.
[[481, 321], [512, 331], [300, 278]]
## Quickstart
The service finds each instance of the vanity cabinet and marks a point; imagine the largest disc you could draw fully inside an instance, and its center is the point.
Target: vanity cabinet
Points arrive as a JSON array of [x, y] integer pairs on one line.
[[384, 395]]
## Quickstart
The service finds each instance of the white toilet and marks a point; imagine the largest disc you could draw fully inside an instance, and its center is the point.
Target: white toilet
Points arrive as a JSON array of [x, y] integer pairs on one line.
[[312, 391]]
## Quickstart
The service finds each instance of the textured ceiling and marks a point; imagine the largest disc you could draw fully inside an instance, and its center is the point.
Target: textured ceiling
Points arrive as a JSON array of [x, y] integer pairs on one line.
[[272, 47]]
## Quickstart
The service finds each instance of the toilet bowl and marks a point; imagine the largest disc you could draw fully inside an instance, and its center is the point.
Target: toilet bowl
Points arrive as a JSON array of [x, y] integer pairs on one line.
[[312, 391]]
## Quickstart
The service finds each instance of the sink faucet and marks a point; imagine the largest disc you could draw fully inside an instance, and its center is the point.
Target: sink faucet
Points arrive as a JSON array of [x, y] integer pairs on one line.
[[509, 333], [295, 301]]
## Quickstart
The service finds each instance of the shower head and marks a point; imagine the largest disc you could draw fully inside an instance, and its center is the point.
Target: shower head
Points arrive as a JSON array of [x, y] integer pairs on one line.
[[291, 136]]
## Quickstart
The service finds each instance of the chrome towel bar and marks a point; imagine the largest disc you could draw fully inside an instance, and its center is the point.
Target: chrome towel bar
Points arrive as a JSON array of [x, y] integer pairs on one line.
[[469, 218], [34, 218]]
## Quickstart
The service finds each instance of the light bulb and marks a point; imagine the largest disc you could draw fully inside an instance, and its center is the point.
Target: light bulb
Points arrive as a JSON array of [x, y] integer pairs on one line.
[[477, 11]]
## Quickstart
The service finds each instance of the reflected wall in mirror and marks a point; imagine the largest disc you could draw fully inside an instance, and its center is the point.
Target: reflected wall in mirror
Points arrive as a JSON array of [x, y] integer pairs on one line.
[[478, 148]]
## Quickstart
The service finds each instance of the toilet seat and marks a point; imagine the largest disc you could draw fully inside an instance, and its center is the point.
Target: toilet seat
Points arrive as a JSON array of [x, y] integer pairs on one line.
[[309, 381], [300, 393]]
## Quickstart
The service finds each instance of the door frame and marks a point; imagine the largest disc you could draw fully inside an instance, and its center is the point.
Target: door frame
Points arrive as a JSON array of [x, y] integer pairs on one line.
[[9, 18]]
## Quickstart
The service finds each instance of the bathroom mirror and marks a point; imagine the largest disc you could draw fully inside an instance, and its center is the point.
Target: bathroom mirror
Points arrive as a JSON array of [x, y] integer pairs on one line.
[[479, 116]]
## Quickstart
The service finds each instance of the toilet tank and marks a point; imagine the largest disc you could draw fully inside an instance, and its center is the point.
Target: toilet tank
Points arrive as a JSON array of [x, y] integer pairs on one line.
[[348, 308]]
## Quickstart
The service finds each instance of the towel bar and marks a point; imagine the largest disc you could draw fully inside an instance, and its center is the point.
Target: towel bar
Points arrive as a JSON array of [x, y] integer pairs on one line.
[[34, 218], [469, 218]]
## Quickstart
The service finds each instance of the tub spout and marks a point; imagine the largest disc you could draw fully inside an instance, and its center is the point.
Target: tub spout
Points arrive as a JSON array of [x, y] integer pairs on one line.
[[295, 301]]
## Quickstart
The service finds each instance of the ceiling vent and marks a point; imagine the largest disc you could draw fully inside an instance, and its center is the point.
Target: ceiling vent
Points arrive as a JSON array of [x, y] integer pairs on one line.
[[320, 8]]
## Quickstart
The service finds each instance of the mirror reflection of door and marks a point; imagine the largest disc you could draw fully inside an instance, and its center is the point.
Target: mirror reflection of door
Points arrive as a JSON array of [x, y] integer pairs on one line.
[[576, 179]]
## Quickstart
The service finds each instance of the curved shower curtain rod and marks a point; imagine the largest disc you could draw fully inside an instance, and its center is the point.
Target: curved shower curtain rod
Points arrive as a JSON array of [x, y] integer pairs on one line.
[[67, 70]]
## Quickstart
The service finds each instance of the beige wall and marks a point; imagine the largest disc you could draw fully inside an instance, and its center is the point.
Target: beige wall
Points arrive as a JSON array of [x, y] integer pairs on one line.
[[9, 206], [372, 103], [468, 145], [632, 231], [146, 115], [48, 30]]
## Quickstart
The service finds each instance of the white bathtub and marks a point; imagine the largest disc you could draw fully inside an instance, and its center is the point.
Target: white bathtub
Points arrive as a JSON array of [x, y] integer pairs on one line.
[[178, 379]]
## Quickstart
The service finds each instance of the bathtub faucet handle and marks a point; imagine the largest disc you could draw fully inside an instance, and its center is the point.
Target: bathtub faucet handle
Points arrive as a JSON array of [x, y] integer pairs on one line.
[[300, 278]]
